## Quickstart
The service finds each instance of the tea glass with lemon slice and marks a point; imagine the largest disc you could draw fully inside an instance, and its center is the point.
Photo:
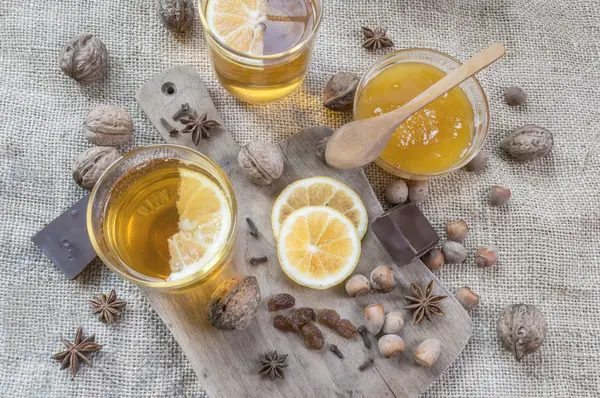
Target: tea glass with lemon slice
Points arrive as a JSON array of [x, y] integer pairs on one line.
[[164, 217], [260, 50]]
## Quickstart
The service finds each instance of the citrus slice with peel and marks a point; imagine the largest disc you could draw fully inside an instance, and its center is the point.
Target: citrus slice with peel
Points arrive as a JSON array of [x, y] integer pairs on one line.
[[204, 223], [318, 247], [320, 191], [238, 23]]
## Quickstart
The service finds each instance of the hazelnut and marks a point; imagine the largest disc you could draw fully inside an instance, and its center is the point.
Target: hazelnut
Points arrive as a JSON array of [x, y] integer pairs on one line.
[[393, 322], [320, 149], [515, 96], [234, 303], [382, 279], [339, 92], [261, 162], [478, 163], [522, 329], [467, 298], [358, 285], [417, 191], [433, 260], [454, 252], [428, 352], [374, 318], [84, 59], [396, 192], [499, 196], [457, 230], [486, 256], [390, 345], [108, 126], [90, 164], [176, 15], [527, 143]]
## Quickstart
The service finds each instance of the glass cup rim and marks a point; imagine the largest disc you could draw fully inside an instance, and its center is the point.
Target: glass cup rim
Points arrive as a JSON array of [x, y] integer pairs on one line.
[[190, 279], [240, 54], [369, 74]]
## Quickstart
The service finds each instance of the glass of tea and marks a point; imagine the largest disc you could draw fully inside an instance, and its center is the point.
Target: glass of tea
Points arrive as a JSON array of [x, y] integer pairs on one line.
[[163, 216], [440, 138], [260, 49]]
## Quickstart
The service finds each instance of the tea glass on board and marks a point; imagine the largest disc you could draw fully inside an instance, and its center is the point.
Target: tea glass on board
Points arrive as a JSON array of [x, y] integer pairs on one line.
[[164, 217], [260, 50]]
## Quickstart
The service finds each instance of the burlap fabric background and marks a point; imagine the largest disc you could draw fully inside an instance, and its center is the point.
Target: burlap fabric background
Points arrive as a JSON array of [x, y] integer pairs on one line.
[[547, 236]]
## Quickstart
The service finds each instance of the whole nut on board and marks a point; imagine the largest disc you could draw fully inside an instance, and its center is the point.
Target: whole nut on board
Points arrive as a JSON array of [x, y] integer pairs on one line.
[[261, 162], [358, 285], [428, 352], [234, 303], [84, 59], [108, 126], [374, 318], [522, 329], [339, 92], [176, 15], [382, 279], [390, 345], [394, 321], [91, 163]]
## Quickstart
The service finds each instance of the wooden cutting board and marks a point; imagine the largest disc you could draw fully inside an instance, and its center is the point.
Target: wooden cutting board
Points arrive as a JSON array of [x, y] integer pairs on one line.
[[227, 362]]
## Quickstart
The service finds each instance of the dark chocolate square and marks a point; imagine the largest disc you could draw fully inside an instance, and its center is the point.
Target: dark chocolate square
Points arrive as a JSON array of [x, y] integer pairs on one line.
[[405, 233], [65, 241]]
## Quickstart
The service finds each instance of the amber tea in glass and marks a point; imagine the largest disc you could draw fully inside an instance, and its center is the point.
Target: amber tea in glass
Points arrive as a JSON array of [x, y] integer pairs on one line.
[[163, 216], [260, 49]]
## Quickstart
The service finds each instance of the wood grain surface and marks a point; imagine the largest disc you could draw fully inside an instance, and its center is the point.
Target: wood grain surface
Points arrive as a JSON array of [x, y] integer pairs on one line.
[[227, 362]]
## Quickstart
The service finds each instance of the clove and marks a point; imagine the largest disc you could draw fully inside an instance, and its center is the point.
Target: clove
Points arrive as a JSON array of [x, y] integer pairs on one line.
[[258, 260], [172, 130], [333, 348], [184, 110], [253, 228], [367, 364], [362, 330]]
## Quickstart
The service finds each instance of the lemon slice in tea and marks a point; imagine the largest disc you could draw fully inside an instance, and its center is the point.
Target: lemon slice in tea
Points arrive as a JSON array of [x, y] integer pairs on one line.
[[320, 191], [204, 223]]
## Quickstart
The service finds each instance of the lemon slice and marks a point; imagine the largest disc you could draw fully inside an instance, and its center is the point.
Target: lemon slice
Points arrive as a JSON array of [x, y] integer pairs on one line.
[[320, 191], [204, 223], [318, 247], [238, 23]]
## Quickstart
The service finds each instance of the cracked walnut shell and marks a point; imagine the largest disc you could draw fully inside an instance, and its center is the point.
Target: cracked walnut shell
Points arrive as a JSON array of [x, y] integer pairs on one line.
[[84, 59], [108, 126], [261, 162], [90, 164]]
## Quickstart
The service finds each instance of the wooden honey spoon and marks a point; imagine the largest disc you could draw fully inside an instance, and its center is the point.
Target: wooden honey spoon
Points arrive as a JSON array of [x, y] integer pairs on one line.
[[360, 142]]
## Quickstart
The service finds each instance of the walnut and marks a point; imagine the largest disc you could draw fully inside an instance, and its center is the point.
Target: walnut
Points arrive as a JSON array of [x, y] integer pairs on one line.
[[90, 164], [522, 329], [527, 143], [261, 162], [176, 15], [234, 303], [84, 59], [340, 90], [108, 126], [515, 96]]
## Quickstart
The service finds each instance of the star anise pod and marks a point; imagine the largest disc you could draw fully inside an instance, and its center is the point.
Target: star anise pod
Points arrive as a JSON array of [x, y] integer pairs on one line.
[[424, 303], [273, 364], [376, 38], [198, 126], [108, 307], [76, 351]]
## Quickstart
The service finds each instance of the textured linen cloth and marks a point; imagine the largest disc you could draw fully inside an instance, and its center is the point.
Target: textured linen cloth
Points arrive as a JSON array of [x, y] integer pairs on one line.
[[547, 236]]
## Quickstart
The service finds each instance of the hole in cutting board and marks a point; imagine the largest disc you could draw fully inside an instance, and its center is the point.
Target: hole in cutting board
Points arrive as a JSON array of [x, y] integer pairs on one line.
[[168, 88]]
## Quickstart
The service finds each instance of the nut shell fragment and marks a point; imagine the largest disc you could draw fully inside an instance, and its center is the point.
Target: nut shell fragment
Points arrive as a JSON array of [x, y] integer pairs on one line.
[[234, 303]]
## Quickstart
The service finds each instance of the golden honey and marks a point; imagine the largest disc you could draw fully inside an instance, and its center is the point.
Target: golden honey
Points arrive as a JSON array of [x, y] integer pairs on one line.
[[432, 140]]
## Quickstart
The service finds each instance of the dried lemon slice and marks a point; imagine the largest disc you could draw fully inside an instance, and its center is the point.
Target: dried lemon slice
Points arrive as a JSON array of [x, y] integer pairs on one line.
[[318, 247], [238, 23], [204, 223], [320, 191]]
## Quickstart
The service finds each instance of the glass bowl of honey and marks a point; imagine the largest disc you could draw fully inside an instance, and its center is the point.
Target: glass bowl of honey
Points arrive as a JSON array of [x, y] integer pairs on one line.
[[438, 139]]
